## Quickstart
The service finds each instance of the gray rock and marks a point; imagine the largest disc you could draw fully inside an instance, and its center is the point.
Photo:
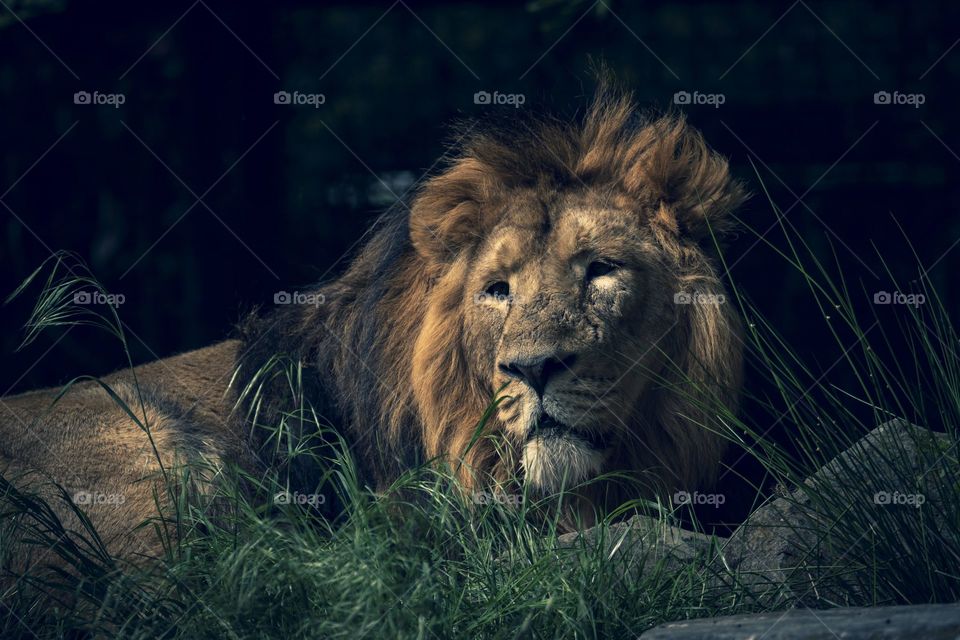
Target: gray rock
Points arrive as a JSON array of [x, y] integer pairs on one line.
[[641, 542], [886, 459], [926, 622], [797, 547]]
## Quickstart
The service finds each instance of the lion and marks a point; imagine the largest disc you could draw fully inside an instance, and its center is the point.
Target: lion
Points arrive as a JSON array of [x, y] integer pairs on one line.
[[567, 270]]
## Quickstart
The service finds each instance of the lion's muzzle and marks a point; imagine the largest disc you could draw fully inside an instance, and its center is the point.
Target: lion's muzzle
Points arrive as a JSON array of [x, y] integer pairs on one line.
[[537, 370]]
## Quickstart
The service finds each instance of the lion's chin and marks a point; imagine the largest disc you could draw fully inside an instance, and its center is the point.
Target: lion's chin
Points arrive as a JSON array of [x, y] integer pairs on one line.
[[553, 461]]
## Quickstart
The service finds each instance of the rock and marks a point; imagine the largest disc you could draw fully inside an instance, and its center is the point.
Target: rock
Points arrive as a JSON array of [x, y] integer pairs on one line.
[[928, 621], [795, 548], [641, 542], [807, 546], [762, 553], [891, 452]]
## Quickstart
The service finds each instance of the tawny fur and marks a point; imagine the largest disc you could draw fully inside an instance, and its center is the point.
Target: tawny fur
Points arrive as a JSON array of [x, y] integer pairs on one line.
[[402, 359]]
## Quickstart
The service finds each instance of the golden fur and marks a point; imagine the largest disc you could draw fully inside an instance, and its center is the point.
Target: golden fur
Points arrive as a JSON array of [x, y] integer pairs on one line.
[[543, 262], [650, 375]]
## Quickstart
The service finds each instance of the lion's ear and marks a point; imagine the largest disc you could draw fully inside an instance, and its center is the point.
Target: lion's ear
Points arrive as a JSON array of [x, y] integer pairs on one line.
[[692, 183], [448, 214]]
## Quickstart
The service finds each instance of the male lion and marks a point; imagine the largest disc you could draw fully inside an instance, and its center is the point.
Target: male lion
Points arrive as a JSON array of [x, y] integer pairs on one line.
[[568, 267]]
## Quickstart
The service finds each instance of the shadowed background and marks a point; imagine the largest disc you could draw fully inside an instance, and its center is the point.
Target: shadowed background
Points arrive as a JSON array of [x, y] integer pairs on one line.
[[199, 197]]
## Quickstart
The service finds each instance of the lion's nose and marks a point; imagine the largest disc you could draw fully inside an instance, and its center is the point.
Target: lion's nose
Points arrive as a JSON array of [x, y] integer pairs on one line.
[[537, 370]]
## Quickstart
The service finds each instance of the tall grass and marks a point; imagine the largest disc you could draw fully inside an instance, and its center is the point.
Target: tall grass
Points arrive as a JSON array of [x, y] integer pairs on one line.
[[424, 559]]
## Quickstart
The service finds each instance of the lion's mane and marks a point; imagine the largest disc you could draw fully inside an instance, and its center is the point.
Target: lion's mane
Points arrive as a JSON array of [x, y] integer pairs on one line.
[[384, 358]]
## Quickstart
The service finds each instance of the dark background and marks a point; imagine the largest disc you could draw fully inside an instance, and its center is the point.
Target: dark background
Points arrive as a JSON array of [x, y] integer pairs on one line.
[[291, 188]]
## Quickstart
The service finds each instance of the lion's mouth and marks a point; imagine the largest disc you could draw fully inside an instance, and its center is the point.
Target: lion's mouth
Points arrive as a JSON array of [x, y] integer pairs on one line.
[[547, 427]]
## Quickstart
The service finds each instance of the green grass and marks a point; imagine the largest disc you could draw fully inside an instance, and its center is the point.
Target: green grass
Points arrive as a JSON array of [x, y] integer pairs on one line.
[[425, 561]]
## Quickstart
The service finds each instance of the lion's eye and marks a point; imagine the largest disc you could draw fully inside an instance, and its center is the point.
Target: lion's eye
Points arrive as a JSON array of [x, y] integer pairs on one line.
[[599, 268], [498, 290]]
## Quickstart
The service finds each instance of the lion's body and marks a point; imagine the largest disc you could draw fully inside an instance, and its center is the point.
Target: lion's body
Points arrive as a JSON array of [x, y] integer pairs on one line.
[[544, 262], [87, 444]]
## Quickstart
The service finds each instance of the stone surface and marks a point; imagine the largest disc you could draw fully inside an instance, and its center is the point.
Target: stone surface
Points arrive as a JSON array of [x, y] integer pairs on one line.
[[641, 542], [782, 553], [791, 550], [918, 622]]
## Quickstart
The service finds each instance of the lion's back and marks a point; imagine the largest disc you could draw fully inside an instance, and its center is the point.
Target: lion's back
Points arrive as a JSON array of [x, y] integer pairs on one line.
[[86, 441]]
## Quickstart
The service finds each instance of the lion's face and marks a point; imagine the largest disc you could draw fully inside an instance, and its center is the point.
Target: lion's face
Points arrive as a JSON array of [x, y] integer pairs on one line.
[[560, 308], [549, 256]]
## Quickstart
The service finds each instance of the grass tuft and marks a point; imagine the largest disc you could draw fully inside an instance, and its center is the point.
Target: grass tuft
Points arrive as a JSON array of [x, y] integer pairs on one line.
[[425, 559]]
